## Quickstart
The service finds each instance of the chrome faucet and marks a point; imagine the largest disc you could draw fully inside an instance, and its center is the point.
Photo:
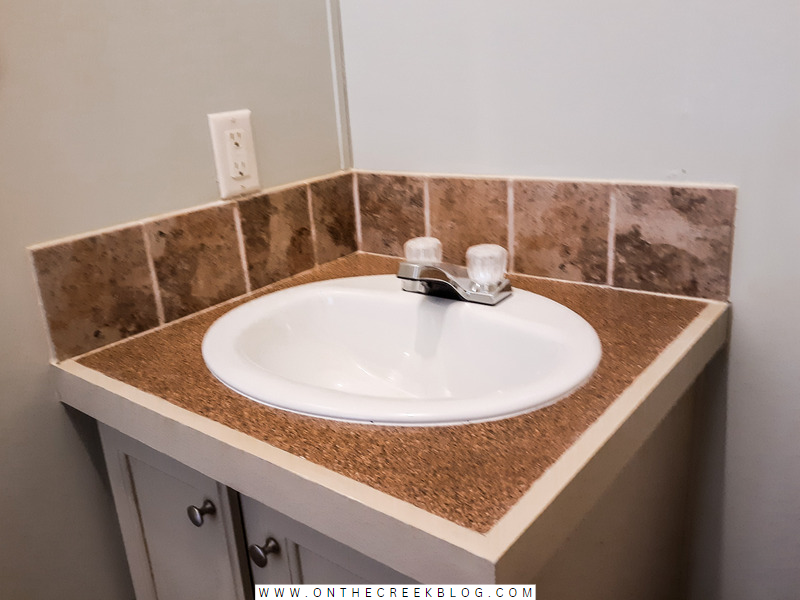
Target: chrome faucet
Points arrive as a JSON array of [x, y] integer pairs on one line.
[[482, 281]]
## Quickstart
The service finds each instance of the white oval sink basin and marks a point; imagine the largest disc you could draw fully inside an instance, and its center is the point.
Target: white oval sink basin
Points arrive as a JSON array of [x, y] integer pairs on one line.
[[361, 349]]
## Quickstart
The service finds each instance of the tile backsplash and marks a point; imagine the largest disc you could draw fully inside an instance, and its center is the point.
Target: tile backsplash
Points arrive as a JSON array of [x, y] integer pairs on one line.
[[392, 210], [196, 260], [561, 229], [465, 212], [276, 227], [334, 217], [105, 286], [675, 239], [96, 290]]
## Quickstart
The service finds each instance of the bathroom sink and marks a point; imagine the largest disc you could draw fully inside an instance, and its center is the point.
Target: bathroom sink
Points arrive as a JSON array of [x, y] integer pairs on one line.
[[361, 349]]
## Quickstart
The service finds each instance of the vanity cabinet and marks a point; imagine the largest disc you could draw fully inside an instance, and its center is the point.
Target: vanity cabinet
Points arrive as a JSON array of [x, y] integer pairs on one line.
[[466, 505], [188, 536]]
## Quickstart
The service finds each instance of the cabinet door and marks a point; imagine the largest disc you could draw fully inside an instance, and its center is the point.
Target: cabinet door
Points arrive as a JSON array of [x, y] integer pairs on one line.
[[304, 555], [170, 557]]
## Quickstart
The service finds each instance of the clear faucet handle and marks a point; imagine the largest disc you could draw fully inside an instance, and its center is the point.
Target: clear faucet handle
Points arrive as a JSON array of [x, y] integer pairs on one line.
[[486, 264], [423, 250]]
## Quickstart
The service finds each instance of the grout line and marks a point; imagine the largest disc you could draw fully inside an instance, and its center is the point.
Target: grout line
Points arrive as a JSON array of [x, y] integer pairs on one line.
[[357, 208], [426, 206], [298, 183], [309, 180], [511, 236], [185, 211], [151, 265], [612, 237], [202, 311], [258, 292], [311, 223], [621, 289], [370, 253], [129, 224], [237, 223], [611, 181], [82, 236]]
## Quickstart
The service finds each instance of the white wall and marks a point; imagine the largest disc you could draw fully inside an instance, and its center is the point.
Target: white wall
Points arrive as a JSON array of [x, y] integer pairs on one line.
[[699, 91], [103, 120]]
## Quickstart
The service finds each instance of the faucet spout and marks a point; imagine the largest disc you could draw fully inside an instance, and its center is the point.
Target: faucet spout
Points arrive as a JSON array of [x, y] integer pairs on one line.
[[450, 281]]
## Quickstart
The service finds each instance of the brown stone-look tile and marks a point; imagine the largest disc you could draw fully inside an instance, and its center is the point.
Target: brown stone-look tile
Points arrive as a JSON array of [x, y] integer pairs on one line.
[[95, 290], [561, 229], [334, 217], [465, 212], [197, 261], [277, 235], [676, 240], [392, 211]]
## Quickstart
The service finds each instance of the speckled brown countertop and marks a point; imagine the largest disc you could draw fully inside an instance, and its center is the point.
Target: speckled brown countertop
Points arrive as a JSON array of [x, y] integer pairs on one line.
[[470, 474]]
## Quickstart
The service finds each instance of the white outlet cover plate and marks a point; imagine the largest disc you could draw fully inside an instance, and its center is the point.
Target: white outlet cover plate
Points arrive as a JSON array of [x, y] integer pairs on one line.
[[244, 178]]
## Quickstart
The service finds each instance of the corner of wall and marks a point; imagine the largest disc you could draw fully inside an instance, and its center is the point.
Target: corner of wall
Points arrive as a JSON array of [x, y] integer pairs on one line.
[[339, 78]]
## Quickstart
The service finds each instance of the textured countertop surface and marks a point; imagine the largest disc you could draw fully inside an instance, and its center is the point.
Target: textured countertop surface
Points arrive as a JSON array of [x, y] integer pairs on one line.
[[469, 474]]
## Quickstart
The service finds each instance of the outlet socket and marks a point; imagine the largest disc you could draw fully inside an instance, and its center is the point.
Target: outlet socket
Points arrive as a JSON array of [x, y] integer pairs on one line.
[[234, 152]]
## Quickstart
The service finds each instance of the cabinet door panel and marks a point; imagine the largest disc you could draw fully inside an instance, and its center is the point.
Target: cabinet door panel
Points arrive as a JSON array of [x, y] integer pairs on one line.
[[309, 556], [281, 567], [170, 558], [319, 570], [186, 561]]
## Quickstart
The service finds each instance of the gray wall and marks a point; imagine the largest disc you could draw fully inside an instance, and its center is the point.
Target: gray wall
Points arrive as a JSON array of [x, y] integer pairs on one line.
[[698, 91], [103, 120]]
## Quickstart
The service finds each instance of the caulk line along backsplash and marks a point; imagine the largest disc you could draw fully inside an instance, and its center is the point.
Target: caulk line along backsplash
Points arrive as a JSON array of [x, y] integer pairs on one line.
[[102, 287]]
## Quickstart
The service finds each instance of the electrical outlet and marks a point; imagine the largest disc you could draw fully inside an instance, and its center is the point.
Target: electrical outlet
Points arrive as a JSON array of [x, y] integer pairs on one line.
[[234, 153]]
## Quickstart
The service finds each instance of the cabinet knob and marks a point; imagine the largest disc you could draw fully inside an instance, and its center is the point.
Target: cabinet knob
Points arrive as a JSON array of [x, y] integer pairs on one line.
[[196, 514], [258, 554]]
